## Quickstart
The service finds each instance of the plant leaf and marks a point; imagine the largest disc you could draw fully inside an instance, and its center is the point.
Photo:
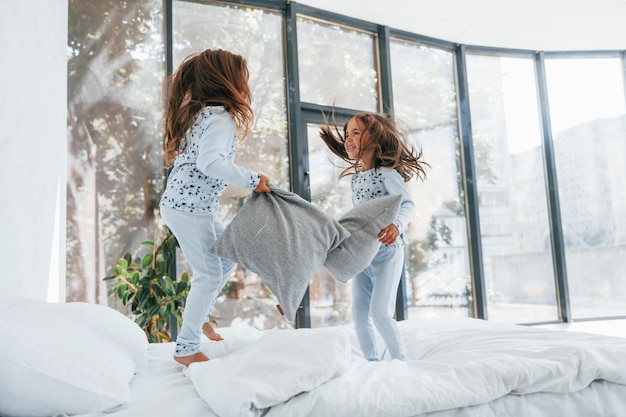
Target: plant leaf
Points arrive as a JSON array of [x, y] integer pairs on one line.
[[181, 286], [146, 261], [123, 263], [147, 244]]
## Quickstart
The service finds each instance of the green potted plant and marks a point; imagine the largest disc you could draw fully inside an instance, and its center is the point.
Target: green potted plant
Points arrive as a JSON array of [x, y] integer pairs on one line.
[[145, 286]]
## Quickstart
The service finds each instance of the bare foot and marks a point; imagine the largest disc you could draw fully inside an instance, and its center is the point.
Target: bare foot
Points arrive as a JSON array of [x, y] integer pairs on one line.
[[210, 332], [188, 360]]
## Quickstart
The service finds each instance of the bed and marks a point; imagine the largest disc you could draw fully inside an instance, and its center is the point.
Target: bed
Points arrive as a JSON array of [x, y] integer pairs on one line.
[[91, 361]]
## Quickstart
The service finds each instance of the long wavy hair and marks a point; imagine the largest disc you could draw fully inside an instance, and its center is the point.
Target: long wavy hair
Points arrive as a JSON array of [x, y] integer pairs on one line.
[[389, 143], [207, 78]]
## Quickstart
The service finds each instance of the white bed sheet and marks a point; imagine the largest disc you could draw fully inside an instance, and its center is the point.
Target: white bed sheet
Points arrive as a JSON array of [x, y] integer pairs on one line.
[[368, 389], [163, 390]]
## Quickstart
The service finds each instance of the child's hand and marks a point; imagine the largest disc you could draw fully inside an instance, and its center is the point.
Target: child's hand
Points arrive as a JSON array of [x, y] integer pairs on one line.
[[389, 234], [262, 187]]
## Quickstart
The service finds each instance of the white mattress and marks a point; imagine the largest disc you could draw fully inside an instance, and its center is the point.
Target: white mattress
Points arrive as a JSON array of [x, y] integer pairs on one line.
[[441, 352]]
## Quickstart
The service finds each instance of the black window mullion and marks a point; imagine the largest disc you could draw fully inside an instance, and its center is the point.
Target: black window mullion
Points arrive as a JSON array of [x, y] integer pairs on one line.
[[623, 60], [386, 102], [298, 146], [554, 208], [479, 295], [168, 30], [384, 70]]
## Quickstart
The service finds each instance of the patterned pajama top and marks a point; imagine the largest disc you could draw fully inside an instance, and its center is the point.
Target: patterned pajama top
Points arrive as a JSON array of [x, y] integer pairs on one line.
[[380, 182], [205, 167]]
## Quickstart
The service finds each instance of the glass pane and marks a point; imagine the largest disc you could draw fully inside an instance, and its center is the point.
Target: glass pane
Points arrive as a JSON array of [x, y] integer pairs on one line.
[[115, 175], [256, 35], [330, 299], [337, 66], [437, 265], [514, 224], [589, 126]]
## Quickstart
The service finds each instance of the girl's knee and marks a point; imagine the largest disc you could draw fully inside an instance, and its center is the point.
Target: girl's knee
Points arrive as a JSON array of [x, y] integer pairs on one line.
[[381, 317], [360, 318], [360, 308]]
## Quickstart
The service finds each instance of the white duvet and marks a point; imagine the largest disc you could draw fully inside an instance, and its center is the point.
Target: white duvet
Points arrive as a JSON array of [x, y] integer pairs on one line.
[[452, 363]]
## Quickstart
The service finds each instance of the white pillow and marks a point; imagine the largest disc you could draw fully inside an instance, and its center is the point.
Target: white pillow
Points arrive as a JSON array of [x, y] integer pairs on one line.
[[115, 326], [52, 362], [271, 370]]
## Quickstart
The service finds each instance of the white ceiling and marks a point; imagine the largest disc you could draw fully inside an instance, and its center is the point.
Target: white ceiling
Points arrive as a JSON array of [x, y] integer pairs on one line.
[[544, 25]]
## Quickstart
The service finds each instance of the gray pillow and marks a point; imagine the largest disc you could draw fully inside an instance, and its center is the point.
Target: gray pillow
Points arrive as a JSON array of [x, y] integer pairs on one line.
[[364, 222], [284, 239]]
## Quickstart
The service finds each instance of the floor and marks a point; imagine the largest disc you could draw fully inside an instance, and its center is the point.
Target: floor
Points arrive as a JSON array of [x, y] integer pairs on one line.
[[528, 314], [615, 328]]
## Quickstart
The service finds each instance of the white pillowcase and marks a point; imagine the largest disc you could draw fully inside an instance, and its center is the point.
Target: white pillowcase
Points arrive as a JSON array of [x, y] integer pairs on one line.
[[236, 337], [64, 359]]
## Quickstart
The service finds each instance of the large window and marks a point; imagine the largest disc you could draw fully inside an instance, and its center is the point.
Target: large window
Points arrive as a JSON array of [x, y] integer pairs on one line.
[[514, 224], [258, 37], [116, 67], [331, 302], [118, 60], [437, 267], [337, 66], [588, 116]]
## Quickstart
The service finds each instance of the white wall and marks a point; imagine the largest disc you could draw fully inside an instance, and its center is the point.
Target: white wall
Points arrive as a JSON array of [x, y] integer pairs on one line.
[[33, 109]]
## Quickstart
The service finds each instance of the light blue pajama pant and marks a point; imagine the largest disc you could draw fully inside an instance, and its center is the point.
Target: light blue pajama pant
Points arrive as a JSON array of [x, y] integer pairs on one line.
[[374, 293], [195, 233]]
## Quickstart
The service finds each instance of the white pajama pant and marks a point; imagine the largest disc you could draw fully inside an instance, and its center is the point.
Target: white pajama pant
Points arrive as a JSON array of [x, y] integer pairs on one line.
[[195, 233], [374, 293]]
